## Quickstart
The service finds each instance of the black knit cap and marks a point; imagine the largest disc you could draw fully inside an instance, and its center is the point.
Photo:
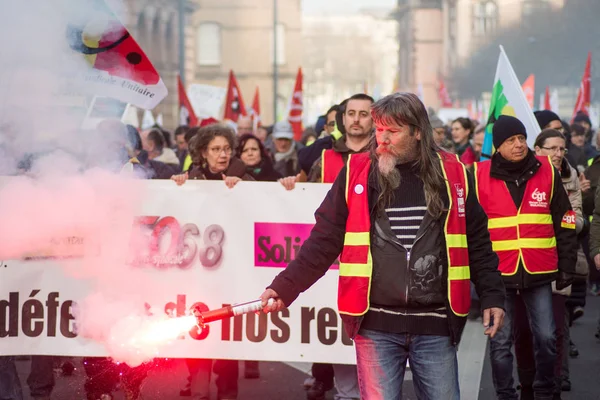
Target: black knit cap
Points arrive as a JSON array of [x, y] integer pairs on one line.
[[582, 117], [506, 127], [544, 117]]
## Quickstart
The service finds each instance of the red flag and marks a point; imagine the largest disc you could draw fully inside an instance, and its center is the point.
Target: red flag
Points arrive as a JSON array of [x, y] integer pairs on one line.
[[547, 105], [583, 95], [119, 67], [255, 111], [295, 115], [443, 95], [234, 103], [529, 89], [186, 112]]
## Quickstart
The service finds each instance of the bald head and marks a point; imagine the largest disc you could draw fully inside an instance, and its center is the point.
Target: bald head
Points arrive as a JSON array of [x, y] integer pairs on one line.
[[244, 125]]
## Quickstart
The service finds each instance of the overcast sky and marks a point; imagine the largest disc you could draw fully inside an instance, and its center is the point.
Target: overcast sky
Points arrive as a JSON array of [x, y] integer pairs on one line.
[[320, 6]]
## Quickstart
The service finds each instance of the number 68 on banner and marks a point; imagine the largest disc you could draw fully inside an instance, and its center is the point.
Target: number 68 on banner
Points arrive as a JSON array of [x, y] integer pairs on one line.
[[151, 245]]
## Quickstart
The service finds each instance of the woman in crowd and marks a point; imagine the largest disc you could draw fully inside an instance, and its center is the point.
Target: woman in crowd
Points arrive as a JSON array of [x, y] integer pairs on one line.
[[259, 164], [211, 149], [462, 130]]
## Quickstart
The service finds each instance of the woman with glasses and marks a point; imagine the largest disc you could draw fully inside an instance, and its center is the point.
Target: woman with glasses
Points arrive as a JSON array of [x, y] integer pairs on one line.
[[211, 150], [550, 143]]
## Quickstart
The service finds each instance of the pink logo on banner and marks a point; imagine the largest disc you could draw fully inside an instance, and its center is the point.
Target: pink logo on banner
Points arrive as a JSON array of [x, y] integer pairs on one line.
[[276, 244]]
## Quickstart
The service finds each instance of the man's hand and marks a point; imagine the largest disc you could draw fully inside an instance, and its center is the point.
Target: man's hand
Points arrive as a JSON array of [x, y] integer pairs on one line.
[[277, 304], [180, 179], [584, 183], [495, 317], [597, 261], [564, 279], [289, 182], [231, 181]]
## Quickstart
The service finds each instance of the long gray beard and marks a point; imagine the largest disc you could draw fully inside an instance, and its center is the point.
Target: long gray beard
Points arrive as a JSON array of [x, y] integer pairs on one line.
[[387, 169]]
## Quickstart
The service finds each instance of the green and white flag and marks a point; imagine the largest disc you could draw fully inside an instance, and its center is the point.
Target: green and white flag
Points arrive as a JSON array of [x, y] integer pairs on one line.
[[508, 98]]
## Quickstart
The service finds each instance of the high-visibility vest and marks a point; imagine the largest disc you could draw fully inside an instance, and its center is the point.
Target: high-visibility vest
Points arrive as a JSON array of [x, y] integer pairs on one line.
[[526, 234], [356, 263], [332, 163]]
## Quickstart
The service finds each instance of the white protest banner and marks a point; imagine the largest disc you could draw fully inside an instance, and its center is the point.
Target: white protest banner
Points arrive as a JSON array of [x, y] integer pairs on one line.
[[148, 120], [207, 100], [232, 243], [103, 108]]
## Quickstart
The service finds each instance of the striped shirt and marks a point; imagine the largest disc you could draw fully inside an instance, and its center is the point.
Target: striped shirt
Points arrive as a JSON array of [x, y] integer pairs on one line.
[[405, 215], [406, 220]]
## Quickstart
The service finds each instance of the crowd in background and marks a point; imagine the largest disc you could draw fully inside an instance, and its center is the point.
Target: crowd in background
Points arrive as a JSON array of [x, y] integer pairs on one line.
[[217, 151]]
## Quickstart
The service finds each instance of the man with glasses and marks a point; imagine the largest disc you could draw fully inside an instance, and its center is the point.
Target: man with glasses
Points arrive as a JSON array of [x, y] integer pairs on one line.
[[330, 119], [532, 228]]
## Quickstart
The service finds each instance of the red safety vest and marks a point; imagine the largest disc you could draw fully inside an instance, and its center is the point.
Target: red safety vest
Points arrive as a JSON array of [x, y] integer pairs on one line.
[[332, 163], [526, 234], [356, 264]]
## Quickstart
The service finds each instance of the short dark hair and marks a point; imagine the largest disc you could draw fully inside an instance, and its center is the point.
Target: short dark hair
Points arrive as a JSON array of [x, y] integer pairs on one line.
[[334, 107], [181, 130], [339, 117], [204, 135], [577, 130], [467, 124], [546, 134], [189, 134], [157, 138], [359, 96]]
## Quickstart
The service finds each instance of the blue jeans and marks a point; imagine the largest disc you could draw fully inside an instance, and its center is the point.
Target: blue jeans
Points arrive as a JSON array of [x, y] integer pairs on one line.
[[381, 361], [538, 306]]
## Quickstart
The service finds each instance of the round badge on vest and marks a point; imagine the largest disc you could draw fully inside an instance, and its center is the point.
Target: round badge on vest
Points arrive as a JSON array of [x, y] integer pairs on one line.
[[359, 189]]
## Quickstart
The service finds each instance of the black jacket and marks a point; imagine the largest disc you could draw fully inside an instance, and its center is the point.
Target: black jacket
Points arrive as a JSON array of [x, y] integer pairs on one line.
[[566, 239], [309, 154], [264, 171], [592, 173], [327, 239]]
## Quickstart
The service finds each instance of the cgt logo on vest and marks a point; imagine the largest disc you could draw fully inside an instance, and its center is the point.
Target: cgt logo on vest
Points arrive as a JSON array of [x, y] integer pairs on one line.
[[460, 201], [539, 199]]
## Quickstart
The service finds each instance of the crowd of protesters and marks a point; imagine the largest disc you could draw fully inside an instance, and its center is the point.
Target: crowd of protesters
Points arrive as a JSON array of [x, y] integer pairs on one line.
[[217, 151]]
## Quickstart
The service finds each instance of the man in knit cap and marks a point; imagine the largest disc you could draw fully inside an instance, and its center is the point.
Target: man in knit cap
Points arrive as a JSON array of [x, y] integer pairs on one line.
[[532, 228], [549, 120]]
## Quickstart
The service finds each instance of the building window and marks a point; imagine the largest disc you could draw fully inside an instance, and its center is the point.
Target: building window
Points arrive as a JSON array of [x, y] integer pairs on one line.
[[532, 7], [485, 17], [280, 30], [208, 44]]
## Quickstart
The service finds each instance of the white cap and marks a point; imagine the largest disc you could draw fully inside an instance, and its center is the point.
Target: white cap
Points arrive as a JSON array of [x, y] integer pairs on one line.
[[283, 130]]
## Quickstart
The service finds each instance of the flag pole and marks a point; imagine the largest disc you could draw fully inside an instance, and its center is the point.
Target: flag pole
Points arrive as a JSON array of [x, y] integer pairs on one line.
[[181, 18], [275, 69]]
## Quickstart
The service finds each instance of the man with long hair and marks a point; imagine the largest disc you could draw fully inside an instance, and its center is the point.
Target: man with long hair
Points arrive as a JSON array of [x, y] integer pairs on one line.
[[411, 233]]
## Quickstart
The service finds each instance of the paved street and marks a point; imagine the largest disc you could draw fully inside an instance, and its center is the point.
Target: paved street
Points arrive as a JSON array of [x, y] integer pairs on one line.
[[283, 381]]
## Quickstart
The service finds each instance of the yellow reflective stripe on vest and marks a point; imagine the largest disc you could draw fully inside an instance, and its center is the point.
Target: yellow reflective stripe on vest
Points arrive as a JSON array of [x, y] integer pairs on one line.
[[504, 245], [361, 270], [456, 240], [459, 273], [509, 222], [356, 239]]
